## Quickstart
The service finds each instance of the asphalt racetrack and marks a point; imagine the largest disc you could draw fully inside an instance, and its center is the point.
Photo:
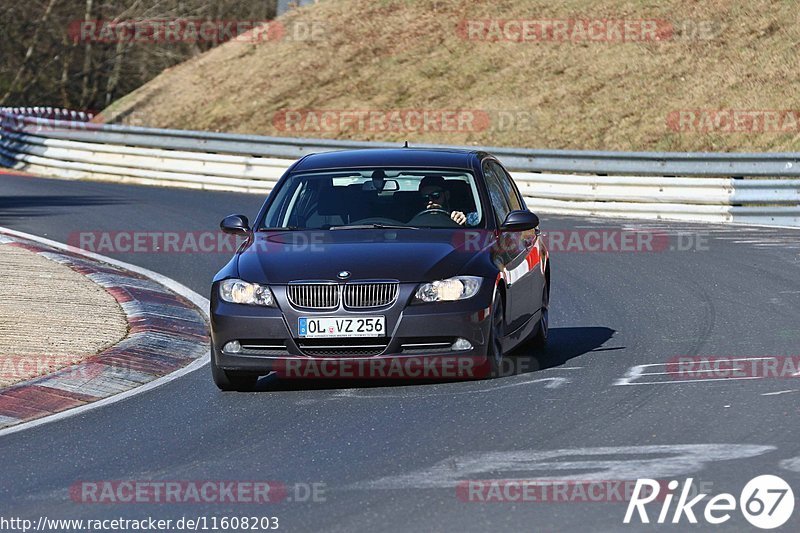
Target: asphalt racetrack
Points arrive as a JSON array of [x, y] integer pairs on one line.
[[599, 404]]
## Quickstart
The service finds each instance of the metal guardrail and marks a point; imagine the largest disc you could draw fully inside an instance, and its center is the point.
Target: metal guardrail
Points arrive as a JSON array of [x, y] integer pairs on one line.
[[72, 125], [713, 187]]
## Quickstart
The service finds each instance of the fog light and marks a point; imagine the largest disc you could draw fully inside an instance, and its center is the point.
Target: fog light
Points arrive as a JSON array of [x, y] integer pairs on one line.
[[232, 347], [462, 344]]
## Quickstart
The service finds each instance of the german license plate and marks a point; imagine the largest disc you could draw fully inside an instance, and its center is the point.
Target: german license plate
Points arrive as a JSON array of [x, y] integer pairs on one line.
[[329, 327]]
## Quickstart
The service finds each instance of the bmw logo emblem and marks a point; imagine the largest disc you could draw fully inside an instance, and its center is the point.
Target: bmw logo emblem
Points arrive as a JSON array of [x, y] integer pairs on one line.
[[344, 274]]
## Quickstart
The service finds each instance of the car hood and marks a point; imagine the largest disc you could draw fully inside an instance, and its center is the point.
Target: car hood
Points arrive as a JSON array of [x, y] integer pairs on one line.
[[404, 255]]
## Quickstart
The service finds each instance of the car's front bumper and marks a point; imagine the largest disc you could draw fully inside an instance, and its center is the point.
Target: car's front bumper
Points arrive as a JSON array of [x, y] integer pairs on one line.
[[417, 334]]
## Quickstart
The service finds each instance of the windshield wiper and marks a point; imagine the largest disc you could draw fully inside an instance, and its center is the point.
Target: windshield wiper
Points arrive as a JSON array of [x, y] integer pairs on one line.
[[281, 228], [372, 226]]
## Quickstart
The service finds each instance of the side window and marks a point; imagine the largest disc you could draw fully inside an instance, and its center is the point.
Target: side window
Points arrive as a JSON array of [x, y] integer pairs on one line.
[[515, 202], [496, 194]]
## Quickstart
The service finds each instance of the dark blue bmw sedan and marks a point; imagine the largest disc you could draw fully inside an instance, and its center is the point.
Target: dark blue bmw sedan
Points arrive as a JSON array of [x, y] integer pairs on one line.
[[374, 258]]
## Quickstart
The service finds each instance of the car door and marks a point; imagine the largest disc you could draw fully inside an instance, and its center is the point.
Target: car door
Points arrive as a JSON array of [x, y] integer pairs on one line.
[[507, 251], [524, 269]]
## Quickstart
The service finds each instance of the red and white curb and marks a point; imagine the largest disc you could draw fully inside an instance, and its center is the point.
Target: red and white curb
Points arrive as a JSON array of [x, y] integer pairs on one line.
[[168, 337]]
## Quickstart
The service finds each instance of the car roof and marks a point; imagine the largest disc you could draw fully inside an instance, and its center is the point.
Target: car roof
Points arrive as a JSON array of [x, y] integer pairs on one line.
[[391, 157]]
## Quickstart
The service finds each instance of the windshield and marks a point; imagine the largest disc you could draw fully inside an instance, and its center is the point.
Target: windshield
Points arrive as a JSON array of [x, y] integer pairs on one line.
[[376, 197]]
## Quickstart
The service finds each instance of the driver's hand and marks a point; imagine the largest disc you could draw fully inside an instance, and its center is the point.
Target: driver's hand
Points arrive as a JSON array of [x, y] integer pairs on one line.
[[459, 217]]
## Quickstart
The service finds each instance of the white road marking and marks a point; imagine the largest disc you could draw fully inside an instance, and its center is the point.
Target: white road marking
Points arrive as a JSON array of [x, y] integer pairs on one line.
[[670, 382], [633, 373], [417, 394], [588, 464], [704, 370], [779, 392], [638, 371], [202, 303], [792, 464]]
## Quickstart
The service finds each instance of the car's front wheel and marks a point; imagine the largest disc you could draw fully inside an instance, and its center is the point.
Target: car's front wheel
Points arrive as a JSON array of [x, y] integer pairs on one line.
[[539, 339], [231, 381]]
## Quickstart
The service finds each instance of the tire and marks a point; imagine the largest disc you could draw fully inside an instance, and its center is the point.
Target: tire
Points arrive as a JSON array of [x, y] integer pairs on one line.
[[539, 339], [226, 380], [494, 350]]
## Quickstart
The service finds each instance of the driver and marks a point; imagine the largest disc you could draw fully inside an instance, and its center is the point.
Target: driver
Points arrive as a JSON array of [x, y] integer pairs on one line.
[[436, 196]]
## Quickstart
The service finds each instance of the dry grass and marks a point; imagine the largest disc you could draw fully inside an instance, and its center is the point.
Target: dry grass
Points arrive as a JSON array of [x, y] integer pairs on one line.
[[390, 54]]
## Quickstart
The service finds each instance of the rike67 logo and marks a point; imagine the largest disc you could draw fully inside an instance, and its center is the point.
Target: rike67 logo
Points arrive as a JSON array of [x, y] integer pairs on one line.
[[767, 502]]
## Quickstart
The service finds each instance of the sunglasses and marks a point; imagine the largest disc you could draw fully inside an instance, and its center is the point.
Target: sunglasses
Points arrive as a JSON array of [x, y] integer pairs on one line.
[[433, 195]]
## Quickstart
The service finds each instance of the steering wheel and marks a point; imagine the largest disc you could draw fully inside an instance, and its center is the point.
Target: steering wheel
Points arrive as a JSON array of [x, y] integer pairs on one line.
[[434, 211], [437, 214]]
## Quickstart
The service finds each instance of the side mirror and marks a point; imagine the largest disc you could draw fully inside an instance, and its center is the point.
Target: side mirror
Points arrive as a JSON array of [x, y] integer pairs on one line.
[[521, 220], [235, 225]]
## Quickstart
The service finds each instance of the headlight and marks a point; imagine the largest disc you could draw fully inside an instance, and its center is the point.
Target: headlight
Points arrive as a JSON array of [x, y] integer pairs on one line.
[[448, 290], [237, 291]]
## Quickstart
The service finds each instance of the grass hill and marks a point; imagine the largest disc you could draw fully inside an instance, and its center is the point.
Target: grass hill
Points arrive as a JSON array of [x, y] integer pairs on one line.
[[686, 75]]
